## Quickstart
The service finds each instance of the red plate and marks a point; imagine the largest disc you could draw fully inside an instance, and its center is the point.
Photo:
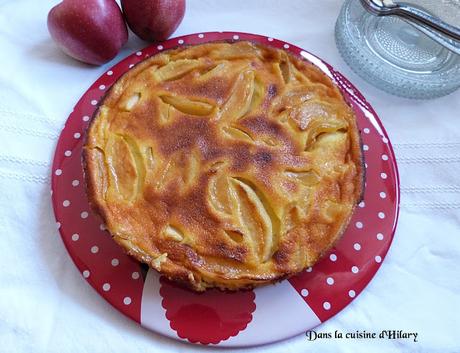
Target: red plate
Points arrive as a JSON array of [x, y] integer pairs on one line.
[[245, 318]]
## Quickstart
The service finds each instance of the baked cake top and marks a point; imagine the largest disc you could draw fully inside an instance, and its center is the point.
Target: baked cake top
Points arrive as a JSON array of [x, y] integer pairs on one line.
[[224, 164]]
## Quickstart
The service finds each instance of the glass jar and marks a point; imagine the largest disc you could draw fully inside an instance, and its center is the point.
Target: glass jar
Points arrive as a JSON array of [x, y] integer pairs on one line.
[[392, 55]]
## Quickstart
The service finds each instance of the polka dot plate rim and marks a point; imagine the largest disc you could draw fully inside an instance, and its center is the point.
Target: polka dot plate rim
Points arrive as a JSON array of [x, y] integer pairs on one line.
[[249, 318]]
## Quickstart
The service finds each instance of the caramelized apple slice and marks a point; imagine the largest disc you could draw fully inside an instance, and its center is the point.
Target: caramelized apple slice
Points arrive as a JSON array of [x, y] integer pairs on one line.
[[176, 69], [240, 99], [173, 233], [240, 50], [332, 211], [126, 168], [128, 103], [181, 169], [336, 129], [188, 106], [218, 194], [254, 217], [307, 178], [237, 134]]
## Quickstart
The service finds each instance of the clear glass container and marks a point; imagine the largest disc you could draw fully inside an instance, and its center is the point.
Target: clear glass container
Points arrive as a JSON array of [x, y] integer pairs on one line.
[[394, 56]]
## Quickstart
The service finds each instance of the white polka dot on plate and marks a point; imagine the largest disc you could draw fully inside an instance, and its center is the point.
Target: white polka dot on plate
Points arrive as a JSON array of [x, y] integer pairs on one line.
[[326, 305], [270, 39], [106, 287], [139, 53], [75, 237], [379, 236], [76, 135], [75, 182], [309, 269], [115, 262], [135, 275], [86, 118], [330, 281], [93, 102], [236, 37], [67, 153], [366, 130], [102, 87], [359, 225], [355, 269], [131, 66], [201, 35], [127, 300], [58, 225], [362, 204], [160, 47], [357, 246], [381, 215], [86, 273], [384, 157], [378, 259], [365, 165], [351, 293], [383, 175], [66, 203], [58, 172], [286, 46], [304, 292], [382, 195], [333, 257], [95, 249], [84, 214], [102, 226], [180, 41], [385, 140], [365, 147], [110, 72]]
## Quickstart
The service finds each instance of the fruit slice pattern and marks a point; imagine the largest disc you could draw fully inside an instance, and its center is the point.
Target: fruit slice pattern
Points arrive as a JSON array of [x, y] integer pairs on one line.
[[326, 289]]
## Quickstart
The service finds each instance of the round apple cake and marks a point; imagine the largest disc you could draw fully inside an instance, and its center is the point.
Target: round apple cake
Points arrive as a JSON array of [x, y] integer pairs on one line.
[[225, 165]]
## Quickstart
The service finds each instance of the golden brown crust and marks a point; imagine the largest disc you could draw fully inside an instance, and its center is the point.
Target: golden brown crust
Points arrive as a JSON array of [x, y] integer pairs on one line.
[[224, 165]]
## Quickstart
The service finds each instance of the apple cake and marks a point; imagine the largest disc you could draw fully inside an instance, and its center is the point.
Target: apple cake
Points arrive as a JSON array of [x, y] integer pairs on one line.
[[225, 165]]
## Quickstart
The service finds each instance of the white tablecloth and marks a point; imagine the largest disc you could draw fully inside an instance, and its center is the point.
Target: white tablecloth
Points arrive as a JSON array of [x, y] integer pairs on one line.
[[46, 306]]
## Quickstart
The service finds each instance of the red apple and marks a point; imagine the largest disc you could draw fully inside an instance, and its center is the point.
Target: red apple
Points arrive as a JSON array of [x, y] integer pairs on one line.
[[92, 31], [153, 20]]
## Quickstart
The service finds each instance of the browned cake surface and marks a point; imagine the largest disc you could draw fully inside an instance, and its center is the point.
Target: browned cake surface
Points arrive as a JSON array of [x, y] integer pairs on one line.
[[227, 165]]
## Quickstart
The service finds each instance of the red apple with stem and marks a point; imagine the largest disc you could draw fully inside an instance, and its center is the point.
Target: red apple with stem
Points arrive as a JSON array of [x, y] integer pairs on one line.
[[92, 31], [153, 20]]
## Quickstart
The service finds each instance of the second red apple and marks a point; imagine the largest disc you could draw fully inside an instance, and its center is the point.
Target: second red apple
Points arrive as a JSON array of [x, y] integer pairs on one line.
[[153, 20]]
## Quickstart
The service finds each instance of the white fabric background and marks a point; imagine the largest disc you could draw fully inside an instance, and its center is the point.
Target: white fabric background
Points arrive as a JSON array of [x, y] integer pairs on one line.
[[46, 306]]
